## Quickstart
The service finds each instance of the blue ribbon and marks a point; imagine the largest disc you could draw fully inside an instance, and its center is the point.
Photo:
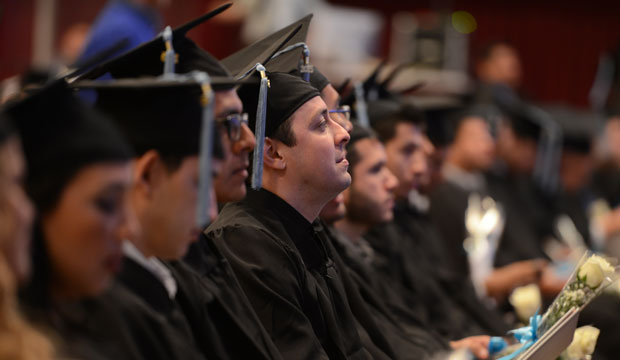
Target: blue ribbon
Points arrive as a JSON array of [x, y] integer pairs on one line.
[[526, 336]]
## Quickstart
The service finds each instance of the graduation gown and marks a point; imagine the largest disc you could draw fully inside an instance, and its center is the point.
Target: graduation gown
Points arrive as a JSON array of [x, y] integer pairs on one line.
[[407, 334], [422, 246], [529, 218], [212, 299], [293, 285], [187, 312], [115, 325], [448, 204]]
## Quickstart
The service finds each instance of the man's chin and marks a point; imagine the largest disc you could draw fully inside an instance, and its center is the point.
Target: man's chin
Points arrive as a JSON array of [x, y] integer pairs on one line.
[[231, 194]]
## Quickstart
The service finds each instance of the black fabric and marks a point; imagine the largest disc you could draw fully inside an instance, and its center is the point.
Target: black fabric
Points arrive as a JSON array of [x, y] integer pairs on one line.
[[286, 94], [111, 326], [529, 218], [150, 289], [425, 252], [578, 127], [230, 311], [368, 297], [60, 136], [284, 269], [146, 330], [262, 50], [166, 118], [447, 212]]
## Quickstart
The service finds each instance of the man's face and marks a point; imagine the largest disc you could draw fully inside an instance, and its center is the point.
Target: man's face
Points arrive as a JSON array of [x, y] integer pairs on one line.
[[370, 199], [407, 157], [474, 144], [169, 222], [317, 161], [230, 182]]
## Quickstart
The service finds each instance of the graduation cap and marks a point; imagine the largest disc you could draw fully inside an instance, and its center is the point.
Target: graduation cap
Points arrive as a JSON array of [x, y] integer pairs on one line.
[[172, 115], [371, 90], [263, 50], [169, 52], [578, 128], [249, 63], [287, 93], [60, 135]]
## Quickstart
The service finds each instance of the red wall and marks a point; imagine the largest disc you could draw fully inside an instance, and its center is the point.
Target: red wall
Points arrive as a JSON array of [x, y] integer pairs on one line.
[[559, 41]]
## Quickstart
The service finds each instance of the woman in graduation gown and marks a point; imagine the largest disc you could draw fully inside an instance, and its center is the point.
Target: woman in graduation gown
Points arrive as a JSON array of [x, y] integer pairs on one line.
[[78, 173]]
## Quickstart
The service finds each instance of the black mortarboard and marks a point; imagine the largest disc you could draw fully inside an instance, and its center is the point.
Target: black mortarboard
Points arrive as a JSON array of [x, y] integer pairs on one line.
[[148, 59], [262, 50], [579, 128], [60, 135], [287, 93], [173, 116]]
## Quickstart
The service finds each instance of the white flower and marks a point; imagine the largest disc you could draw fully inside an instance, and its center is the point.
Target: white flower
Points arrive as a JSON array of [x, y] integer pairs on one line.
[[595, 270], [583, 344], [607, 268], [526, 300], [592, 273]]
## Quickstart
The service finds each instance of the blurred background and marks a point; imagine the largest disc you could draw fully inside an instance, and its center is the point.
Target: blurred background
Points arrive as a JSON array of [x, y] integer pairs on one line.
[[560, 43]]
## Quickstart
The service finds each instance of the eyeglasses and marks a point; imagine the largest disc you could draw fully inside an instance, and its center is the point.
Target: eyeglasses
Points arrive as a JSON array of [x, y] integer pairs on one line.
[[345, 110], [233, 124]]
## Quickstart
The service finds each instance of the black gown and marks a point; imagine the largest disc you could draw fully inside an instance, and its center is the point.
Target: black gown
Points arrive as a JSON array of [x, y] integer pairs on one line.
[[408, 335], [294, 287], [423, 248], [240, 330], [448, 204], [115, 325], [529, 218]]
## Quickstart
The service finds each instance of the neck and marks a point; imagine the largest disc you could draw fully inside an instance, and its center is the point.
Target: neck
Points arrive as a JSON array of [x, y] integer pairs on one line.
[[308, 205], [453, 159], [351, 229]]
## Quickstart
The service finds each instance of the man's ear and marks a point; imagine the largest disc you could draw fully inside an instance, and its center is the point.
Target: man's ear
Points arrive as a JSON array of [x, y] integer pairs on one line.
[[272, 156], [147, 172]]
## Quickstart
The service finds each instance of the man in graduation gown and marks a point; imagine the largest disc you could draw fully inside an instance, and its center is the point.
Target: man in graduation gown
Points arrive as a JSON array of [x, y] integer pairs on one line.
[[470, 153], [229, 309], [415, 247], [279, 258]]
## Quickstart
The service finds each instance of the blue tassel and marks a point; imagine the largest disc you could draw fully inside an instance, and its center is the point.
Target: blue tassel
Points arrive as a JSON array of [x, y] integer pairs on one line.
[[170, 56], [259, 132], [360, 105], [205, 154], [305, 68]]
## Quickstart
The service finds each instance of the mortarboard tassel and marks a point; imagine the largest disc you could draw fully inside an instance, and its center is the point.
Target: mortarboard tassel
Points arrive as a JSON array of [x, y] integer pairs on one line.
[[305, 68], [168, 57], [204, 159], [259, 132], [360, 105]]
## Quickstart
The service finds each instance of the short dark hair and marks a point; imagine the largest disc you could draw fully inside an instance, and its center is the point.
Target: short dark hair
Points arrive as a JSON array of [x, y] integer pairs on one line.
[[358, 133], [386, 127], [284, 133]]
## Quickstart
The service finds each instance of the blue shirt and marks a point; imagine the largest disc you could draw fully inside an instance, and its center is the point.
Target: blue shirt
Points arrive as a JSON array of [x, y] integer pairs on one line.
[[120, 19]]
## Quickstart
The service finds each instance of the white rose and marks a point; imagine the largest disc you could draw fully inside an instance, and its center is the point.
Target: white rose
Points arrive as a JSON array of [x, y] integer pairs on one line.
[[583, 344], [607, 268], [592, 273], [526, 300]]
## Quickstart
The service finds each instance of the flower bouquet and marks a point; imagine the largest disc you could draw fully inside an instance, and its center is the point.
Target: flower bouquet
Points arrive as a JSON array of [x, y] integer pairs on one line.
[[591, 276]]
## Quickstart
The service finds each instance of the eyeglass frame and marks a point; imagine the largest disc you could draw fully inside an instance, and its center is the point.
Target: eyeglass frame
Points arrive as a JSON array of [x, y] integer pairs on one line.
[[233, 129]]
